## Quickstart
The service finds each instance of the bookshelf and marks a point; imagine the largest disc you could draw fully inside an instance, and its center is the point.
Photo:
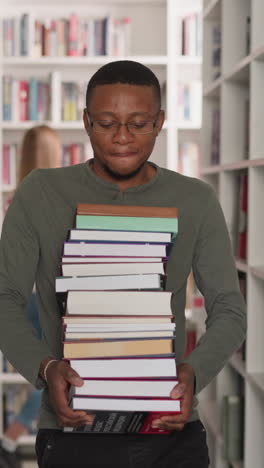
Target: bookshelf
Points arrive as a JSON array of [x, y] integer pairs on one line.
[[235, 92], [159, 47]]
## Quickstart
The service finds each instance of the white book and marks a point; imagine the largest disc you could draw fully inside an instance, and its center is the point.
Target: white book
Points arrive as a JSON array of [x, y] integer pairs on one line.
[[119, 303], [87, 259], [103, 320], [125, 388], [121, 327], [124, 404], [109, 282], [114, 249], [125, 368], [125, 236], [93, 335], [102, 269]]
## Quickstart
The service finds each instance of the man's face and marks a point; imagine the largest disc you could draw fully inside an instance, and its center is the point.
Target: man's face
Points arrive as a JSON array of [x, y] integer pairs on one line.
[[121, 153]]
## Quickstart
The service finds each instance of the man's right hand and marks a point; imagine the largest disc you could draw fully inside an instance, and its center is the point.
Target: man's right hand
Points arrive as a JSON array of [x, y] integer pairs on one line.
[[59, 378]]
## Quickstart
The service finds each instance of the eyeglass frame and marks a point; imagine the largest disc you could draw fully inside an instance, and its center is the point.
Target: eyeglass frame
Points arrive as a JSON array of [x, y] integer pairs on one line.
[[91, 122]]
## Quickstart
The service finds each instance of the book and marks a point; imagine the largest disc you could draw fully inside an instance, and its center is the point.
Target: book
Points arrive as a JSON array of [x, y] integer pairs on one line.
[[87, 259], [117, 282], [116, 319], [126, 223], [242, 217], [106, 235], [118, 327], [125, 404], [77, 335], [154, 367], [102, 269], [117, 348], [232, 427], [126, 210], [125, 388], [124, 303], [115, 249], [121, 422]]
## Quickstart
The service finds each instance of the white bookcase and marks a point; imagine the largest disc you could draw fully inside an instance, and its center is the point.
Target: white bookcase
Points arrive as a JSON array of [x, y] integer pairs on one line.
[[241, 75], [155, 41]]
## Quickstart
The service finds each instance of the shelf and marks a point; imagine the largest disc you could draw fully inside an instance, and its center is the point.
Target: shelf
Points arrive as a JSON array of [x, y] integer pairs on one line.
[[208, 412], [211, 170], [236, 362], [213, 10], [7, 377], [26, 440], [235, 166], [257, 379], [258, 272], [237, 464], [241, 71], [84, 61], [213, 90], [7, 188], [241, 265], [64, 126]]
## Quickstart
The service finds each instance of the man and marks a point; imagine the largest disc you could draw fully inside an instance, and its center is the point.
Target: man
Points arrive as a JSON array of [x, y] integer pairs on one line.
[[123, 119]]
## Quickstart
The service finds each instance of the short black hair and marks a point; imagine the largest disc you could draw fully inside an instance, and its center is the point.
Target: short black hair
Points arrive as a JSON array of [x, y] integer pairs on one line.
[[124, 71]]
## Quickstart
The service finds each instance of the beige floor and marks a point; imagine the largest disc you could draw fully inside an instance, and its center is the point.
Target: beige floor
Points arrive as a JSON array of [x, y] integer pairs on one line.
[[30, 464]]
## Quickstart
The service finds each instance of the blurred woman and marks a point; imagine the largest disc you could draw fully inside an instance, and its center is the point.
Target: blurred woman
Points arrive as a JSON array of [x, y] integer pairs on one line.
[[40, 148]]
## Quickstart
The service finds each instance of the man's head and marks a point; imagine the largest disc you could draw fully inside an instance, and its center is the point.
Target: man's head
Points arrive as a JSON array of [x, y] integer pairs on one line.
[[123, 119]]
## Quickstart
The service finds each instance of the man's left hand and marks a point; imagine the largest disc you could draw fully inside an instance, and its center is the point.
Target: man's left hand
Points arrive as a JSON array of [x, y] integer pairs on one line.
[[184, 390]]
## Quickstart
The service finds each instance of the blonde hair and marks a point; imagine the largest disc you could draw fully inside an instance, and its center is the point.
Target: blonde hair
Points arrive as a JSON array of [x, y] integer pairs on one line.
[[40, 149]]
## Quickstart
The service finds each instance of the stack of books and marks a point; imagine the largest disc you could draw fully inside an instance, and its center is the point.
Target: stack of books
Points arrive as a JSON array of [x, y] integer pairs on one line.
[[117, 324]]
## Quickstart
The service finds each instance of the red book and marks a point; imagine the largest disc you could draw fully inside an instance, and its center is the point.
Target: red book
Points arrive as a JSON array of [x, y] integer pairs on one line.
[[117, 420], [73, 35], [243, 210], [23, 100]]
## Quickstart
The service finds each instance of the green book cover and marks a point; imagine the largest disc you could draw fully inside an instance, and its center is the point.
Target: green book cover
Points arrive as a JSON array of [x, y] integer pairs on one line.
[[127, 223]]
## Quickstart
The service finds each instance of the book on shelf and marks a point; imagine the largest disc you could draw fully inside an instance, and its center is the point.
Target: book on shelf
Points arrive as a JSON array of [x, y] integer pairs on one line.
[[232, 427], [122, 303], [124, 388], [191, 33], [9, 164], [104, 269], [189, 156], [25, 99], [130, 368], [215, 137], [216, 51], [73, 36], [190, 102], [242, 217], [118, 348]]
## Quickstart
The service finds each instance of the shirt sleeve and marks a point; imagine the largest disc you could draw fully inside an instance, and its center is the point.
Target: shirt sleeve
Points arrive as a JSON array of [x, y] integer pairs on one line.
[[216, 277], [19, 255]]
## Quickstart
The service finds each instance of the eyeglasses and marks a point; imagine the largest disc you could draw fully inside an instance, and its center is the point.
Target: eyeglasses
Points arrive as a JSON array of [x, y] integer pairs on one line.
[[137, 127]]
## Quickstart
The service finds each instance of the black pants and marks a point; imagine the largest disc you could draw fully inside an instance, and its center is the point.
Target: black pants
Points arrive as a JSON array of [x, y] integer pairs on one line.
[[180, 449]]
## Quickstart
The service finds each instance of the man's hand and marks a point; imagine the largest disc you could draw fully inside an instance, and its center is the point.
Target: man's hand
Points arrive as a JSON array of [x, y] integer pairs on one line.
[[183, 390], [59, 378]]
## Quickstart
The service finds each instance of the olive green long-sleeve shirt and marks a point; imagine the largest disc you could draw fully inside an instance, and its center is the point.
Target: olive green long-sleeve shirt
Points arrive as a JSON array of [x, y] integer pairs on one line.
[[37, 224]]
